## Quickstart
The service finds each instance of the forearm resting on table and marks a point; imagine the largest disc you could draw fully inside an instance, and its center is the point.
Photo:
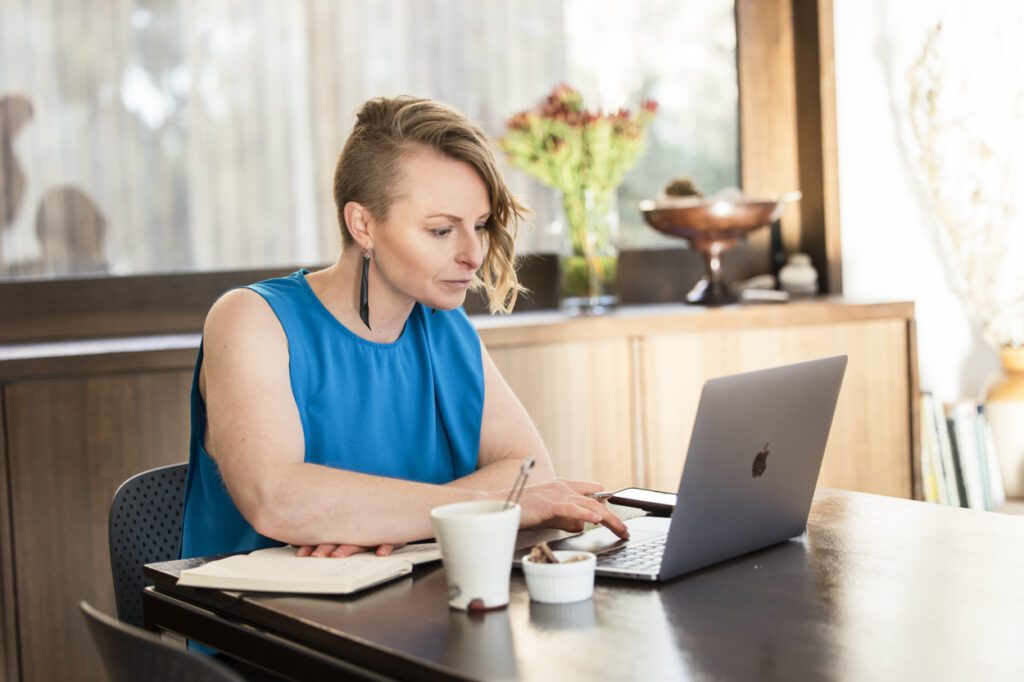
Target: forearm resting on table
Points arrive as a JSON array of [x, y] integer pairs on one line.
[[310, 504], [499, 476]]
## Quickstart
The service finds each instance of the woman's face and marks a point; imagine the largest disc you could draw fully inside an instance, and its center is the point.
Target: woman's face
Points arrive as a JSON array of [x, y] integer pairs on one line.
[[430, 246]]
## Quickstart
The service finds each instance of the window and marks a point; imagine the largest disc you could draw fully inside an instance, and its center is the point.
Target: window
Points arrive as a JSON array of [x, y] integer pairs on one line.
[[168, 136]]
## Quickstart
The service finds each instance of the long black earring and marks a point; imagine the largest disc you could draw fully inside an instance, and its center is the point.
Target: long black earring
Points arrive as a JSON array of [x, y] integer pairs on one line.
[[364, 292]]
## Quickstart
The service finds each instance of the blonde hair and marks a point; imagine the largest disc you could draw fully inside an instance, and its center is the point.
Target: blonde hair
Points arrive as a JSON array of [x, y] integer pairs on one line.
[[367, 173]]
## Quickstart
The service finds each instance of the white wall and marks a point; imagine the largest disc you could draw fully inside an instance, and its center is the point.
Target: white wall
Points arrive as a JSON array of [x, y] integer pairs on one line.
[[889, 231]]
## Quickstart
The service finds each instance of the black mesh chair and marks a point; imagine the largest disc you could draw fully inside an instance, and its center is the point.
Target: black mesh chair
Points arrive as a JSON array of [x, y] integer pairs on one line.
[[130, 653], [145, 526]]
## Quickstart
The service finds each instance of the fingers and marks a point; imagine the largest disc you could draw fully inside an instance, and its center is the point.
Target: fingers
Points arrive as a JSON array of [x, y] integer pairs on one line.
[[385, 550], [594, 512], [615, 525], [342, 551], [561, 504], [566, 524], [573, 510], [608, 518], [323, 550], [348, 550]]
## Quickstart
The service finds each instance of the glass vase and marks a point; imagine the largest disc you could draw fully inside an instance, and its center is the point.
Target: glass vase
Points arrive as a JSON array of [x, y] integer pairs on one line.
[[590, 264]]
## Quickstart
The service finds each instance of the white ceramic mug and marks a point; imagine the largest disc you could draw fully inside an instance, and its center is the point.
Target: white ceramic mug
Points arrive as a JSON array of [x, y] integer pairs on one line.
[[477, 541]]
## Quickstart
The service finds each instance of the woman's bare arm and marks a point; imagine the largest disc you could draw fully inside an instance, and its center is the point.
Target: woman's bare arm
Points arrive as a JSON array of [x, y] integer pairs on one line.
[[255, 435], [507, 436]]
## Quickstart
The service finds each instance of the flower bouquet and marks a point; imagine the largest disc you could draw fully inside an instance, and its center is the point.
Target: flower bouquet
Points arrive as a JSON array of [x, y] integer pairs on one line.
[[584, 155]]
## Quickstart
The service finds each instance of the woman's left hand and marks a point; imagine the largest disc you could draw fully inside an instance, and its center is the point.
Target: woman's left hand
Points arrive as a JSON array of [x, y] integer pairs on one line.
[[341, 551]]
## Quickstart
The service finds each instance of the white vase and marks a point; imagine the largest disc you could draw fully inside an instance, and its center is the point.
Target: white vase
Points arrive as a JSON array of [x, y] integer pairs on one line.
[[798, 277], [1004, 407]]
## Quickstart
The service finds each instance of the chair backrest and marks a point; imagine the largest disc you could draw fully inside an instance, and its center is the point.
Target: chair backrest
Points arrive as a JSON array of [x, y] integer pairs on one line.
[[145, 526], [130, 653]]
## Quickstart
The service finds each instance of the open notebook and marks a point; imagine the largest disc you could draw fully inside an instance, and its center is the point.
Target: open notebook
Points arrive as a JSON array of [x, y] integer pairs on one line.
[[278, 570]]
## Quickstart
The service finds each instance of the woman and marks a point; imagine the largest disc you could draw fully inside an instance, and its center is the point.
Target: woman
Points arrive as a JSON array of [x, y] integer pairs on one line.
[[332, 410]]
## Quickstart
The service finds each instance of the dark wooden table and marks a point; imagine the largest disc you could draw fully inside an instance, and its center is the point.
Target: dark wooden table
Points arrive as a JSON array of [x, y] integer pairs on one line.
[[878, 588]]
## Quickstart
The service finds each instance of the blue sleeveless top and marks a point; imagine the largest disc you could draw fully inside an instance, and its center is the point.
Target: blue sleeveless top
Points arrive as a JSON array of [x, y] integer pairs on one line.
[[410, 409]]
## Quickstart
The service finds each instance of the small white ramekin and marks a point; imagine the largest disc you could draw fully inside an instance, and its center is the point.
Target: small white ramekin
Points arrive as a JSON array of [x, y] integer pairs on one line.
[[561, 583]]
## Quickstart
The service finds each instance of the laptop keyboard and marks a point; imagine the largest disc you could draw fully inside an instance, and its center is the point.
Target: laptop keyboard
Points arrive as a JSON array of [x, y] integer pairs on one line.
[[644, 556]]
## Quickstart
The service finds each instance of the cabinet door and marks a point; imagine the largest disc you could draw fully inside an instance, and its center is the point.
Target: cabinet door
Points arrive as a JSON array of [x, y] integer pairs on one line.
[[869, 448], [70, 444], [579, 394]]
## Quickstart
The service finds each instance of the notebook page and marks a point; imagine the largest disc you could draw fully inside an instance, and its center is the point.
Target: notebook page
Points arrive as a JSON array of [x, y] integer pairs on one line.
[[277, 569]]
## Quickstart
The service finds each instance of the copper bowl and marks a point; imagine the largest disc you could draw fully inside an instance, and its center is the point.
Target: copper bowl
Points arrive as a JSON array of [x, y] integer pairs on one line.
[[703, 221], [712, 225]]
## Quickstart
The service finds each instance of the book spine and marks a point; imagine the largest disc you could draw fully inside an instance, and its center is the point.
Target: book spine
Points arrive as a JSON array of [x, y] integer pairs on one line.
[[978, 433], [995, 478], [958, 472], [962, 416], [949, 477], [932, 484]]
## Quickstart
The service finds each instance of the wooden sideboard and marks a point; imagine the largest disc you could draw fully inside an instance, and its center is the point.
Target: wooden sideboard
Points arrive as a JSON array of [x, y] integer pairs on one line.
[[614, 398]]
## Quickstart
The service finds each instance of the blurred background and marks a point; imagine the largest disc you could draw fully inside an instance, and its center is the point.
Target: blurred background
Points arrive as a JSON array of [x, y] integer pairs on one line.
[[156, 136], [203, 136]]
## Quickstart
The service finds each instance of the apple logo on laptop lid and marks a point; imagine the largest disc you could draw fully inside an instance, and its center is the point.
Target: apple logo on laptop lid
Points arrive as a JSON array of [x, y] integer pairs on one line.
[[760, 462]]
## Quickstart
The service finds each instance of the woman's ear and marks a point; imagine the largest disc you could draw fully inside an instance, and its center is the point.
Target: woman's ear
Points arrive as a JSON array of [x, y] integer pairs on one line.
[[359, 223]]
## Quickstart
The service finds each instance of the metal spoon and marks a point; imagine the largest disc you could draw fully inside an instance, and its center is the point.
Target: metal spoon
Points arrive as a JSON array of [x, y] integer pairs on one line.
[[519, 484]]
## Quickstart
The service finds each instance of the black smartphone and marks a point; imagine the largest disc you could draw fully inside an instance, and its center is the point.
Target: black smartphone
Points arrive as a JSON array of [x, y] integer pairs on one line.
[[654, 502]]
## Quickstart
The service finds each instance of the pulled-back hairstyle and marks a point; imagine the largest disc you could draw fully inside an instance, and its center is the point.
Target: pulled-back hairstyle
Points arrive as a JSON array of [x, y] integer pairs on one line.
[[368, 171]]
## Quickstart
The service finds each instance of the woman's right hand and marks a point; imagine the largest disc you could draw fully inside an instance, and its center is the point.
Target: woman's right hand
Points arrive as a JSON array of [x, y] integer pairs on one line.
[[562, 504]]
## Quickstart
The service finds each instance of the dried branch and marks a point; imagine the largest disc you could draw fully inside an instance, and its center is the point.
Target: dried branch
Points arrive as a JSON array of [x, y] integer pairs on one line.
[[971, 185]]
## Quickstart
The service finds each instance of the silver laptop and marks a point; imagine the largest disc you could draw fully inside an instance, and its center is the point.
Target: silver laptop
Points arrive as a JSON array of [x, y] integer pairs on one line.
[[749, 476]]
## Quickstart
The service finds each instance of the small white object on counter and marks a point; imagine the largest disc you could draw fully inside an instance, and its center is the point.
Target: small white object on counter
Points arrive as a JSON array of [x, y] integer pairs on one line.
[[764, 296], [798, 277], [758, 289], [562, 583]]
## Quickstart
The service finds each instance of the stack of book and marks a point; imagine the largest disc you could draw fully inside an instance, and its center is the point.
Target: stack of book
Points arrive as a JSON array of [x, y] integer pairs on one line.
[[958, 459]]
